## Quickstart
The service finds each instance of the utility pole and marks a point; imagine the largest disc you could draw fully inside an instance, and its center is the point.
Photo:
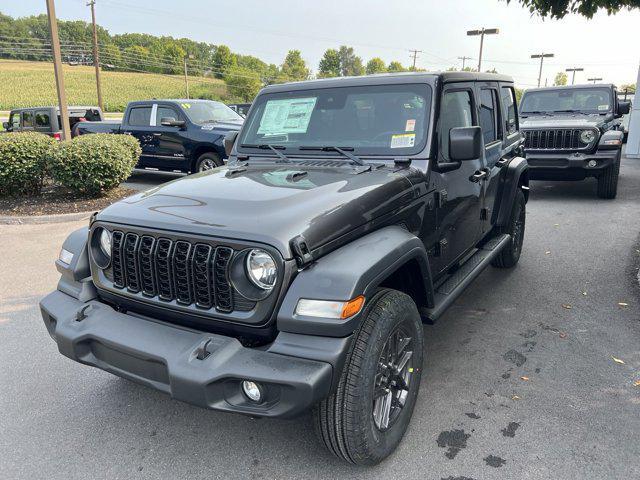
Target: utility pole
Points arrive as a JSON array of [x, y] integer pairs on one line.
[[574, 70], [594, 79], [541, 56], [482, 33], [464, 59], [57, 68], [96, 58], [186, 77], [414, 54]]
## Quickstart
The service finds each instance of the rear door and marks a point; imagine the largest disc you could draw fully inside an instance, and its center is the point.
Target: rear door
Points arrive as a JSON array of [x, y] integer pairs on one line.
[[459, 204], [168, 141], [138, 124], [42, 122]]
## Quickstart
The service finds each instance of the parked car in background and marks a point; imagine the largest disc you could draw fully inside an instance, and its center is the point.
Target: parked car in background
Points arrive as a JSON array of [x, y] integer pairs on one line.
[[240, 108], [574, 132], [297, 277], [47, 119], [184, 135]]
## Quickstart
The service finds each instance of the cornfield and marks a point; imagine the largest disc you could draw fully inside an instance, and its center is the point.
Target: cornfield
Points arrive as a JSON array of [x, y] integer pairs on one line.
[[32, 84]]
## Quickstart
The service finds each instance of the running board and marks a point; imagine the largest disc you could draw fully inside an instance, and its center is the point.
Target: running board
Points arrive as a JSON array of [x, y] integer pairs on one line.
[[447, 292]]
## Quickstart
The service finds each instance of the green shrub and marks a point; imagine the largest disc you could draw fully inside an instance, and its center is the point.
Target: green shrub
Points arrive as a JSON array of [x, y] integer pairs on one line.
[[23, 162], [91, 164]]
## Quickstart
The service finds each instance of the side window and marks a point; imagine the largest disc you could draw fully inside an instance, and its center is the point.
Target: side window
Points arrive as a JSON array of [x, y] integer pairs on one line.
[[489, 113], [455, 111], [42, 120], [509, 102], [15, 121], [164, 112], [27, 119], [140, 116]]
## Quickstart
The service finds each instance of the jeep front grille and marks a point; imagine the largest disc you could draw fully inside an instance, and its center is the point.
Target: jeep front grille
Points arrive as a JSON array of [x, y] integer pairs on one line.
[[175, 270], [555, 139]]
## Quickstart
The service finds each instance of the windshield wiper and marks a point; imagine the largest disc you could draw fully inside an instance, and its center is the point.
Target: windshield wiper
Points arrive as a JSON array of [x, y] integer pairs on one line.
[[343, 151], [536, 112], [568, 111], [274, 148]]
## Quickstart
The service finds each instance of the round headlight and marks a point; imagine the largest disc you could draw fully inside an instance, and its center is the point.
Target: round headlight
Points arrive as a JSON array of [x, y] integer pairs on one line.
[[105, 242], [261, 269], [587, 136]]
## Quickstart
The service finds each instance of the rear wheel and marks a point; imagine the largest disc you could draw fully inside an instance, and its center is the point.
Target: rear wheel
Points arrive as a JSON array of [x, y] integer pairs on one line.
[[608, 180], [510, 254], [207, 161], [365, 419]]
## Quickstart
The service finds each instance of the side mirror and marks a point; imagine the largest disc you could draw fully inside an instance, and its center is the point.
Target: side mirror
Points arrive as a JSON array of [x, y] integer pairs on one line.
[[229, 140], [465, 143], [624, 108], [172, 122], [5, 125]]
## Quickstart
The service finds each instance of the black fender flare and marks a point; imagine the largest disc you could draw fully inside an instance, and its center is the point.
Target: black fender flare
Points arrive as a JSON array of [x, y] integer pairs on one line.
[[516, 176], [75, 277], [611, 136], [357, 268]]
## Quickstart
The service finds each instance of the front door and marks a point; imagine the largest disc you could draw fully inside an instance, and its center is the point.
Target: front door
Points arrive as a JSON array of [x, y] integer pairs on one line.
[[168, 142], [459, 201], [138, 124]]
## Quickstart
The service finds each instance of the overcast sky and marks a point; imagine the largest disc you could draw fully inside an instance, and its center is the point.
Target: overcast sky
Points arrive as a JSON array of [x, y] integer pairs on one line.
[[607, 46]]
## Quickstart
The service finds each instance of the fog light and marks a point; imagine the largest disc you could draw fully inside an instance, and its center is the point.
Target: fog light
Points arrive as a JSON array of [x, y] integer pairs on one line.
[[252, 390], [592, 163]]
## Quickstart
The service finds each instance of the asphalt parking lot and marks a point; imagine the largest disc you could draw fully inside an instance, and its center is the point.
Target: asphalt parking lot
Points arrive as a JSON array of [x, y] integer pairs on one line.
[[520, 378]]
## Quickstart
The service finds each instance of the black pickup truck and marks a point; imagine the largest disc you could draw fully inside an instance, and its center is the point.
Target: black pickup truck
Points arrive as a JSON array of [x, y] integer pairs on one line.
[[185, 135], [297, 276]]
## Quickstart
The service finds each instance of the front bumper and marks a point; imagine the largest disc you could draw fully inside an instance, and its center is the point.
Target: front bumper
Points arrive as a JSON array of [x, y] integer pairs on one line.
[[165, 357], [568, 165]]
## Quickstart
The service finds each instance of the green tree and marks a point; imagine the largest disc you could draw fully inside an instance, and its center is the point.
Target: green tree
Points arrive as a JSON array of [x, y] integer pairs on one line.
[[329, 64], [395, 67], [560, 8], [561, 79], [243, 84], [628, 87], [350, 63], [132, 56], [294, 66], [376, 65], [223, 60]]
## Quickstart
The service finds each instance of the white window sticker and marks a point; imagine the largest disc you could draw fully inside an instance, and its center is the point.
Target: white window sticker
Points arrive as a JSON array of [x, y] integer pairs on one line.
[[406, 140], [287, 116], [603, 107], [411, 125]]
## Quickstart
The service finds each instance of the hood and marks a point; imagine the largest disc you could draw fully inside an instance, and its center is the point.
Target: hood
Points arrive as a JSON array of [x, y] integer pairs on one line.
[[562, 121], [269, 203]]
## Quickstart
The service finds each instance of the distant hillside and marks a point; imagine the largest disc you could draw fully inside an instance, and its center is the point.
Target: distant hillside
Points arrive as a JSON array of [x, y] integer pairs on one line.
[[26, 84]]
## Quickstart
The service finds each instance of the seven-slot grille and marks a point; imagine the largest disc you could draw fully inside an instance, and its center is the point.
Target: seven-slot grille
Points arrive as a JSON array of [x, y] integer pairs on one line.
[[554, 139], [189, 273]]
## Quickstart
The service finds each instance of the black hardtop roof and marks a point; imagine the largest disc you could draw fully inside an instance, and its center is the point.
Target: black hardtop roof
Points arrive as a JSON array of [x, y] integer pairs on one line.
[[390, 78], [172, 100], [570, 87]]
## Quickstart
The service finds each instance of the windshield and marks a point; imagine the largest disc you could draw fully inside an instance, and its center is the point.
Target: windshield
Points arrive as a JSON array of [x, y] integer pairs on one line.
[[210, 112], [369, 120], [591, 100]]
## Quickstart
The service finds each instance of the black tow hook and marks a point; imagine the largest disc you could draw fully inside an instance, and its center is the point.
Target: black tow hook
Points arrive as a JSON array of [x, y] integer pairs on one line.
[[81, 315], [201, 351]]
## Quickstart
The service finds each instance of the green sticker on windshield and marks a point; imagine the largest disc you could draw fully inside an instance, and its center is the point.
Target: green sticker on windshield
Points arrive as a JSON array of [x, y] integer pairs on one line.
[[287, 116]]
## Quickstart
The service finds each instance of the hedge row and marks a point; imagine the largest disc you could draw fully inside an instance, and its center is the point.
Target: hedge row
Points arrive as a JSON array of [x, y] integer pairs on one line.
[[89, 164]]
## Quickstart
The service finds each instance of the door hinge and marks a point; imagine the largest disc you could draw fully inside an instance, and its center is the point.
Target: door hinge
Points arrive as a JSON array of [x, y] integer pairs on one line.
[[441, 247], [484, 214], [441, 198]]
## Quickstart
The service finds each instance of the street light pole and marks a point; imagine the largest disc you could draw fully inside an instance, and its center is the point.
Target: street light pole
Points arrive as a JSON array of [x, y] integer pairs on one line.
[[96, 58], [57, 68], [482, 33], [594, 79], [574, 70], [541, 56]]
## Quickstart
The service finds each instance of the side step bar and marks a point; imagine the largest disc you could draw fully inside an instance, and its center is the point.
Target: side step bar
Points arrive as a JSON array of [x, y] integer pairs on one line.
[[447, 292]]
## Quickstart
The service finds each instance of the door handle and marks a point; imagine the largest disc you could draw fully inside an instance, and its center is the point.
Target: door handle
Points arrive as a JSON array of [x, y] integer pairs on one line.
[[478, 176]]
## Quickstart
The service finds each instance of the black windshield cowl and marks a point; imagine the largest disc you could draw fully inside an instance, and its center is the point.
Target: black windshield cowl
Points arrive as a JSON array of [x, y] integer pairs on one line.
[[344, 151], [274, 148]]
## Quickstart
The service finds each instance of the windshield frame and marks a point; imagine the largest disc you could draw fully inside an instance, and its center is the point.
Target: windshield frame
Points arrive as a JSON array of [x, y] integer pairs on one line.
[[530, 93], [239, 118], [257, 111]]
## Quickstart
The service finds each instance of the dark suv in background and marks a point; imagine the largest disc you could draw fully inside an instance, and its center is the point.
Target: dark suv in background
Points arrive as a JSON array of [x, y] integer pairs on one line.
[[574, 132], [47, 119]]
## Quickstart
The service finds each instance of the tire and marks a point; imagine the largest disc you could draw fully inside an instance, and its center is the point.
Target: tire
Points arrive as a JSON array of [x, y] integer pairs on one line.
[[345, 420], [207, 161], [608, 180], [510, 254]]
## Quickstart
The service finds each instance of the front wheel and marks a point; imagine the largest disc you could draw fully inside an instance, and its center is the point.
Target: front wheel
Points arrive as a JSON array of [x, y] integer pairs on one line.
[[365, 419], [510, 254], [608, 180], [207, 161]]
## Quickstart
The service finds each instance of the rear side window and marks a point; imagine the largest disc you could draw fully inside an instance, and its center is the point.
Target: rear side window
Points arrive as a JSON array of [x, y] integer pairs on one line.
[[509, 102], [27, 119], [164, 112], [456, 111], [42, 120], [15, 121], [140, 116], [489, 115]]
